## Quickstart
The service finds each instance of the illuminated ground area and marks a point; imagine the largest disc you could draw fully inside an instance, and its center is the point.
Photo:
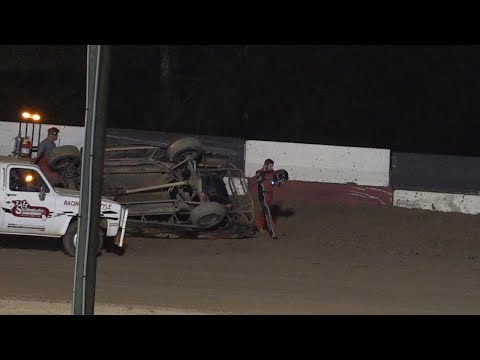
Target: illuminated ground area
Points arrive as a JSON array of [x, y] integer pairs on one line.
[[328, 260]]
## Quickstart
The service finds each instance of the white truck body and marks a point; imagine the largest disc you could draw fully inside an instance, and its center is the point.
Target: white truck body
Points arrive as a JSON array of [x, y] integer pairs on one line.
[[30, 205]]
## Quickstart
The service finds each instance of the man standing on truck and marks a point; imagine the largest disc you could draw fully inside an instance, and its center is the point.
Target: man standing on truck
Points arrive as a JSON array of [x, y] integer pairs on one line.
[[265, 183], [48, 143]]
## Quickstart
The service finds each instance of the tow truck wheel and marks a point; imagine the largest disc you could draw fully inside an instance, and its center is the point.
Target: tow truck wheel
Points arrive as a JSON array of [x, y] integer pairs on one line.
[[208, 215], [183, 148], [61, 154], [70, 239]]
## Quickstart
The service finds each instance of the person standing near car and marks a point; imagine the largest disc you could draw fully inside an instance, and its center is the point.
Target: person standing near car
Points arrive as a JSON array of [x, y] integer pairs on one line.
[[265, 183], [48, 143]]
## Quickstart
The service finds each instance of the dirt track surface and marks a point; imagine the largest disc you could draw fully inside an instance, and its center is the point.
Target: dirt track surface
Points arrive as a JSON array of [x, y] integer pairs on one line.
[[32, 307], [328, 260]]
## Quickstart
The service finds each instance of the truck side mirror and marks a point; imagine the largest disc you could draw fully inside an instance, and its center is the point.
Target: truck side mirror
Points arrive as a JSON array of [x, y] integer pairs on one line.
[[42, 193]]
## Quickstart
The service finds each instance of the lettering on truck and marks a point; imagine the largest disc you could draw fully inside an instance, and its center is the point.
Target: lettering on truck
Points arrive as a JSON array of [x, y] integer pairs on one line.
[[22, 208], [72, 203], [76, 203]]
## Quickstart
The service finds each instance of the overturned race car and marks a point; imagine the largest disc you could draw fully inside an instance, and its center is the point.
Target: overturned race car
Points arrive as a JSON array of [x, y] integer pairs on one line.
[[181, 190]]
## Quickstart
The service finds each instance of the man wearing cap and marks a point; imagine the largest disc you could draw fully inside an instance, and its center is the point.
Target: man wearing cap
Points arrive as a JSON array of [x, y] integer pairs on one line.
[[49, 143]]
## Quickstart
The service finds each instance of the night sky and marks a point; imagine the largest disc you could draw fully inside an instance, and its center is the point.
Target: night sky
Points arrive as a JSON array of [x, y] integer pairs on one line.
[[415, 98]]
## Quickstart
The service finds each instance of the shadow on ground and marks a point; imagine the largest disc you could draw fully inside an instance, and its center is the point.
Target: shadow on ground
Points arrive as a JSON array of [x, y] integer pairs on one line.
[[30, 243], [48, 244], [278, 211]]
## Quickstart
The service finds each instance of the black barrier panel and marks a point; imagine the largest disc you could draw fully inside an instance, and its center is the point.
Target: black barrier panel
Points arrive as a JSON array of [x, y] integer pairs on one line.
[[232, 147], [436, 173]]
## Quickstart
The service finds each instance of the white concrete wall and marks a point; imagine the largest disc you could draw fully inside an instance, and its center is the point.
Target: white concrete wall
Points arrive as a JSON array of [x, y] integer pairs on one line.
[[458, 203], [69, 135], [321, 163]]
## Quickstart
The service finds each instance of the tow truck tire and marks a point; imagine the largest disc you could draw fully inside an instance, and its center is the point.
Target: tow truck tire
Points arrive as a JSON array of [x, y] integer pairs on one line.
[[62, 153], [208, 215], [180, 149], [69, 239]]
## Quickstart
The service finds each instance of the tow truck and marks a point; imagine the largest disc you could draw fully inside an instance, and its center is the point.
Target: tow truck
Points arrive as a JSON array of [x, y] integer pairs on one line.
[[31, 206]]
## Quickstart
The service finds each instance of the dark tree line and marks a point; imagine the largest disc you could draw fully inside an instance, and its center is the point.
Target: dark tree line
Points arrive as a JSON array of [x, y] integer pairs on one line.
[[409, 98]]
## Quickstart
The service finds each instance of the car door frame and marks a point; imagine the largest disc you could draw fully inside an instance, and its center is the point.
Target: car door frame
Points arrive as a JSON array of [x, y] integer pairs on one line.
[[39, 218]]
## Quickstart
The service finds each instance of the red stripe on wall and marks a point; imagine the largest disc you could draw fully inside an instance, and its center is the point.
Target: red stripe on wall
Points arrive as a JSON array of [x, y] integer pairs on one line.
[[330, 193]]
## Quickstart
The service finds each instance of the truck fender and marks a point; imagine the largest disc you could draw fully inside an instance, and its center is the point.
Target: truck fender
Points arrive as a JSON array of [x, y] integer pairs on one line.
[[64, 226]]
